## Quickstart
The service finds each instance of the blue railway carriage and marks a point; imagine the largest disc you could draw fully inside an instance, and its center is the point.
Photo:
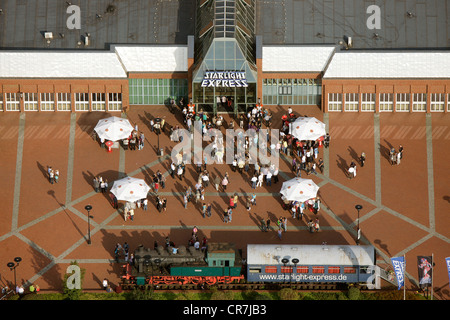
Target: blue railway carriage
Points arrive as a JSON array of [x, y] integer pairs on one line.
[[312, 264]]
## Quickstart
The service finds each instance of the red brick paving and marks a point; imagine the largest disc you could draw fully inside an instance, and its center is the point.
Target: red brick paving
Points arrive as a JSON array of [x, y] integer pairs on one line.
[[401, 225]]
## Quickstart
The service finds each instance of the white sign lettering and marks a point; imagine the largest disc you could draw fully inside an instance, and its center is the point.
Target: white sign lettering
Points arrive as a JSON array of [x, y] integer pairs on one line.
[[230, 79]]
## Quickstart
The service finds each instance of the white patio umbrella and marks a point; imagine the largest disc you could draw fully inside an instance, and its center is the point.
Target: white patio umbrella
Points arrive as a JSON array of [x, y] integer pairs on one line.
[[130, 189], [307, 128], [113, 128], [299, 189]]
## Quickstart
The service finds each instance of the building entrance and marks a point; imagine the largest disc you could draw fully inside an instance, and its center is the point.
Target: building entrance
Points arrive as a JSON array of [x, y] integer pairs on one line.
[[224, 81]]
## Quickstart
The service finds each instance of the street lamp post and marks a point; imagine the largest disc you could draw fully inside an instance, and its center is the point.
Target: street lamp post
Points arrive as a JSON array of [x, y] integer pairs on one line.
[[12, 266], [358, 236], [89, 208]]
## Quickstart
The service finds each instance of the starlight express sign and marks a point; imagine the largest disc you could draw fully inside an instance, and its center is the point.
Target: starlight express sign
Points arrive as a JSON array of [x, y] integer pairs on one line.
[[231, 79]]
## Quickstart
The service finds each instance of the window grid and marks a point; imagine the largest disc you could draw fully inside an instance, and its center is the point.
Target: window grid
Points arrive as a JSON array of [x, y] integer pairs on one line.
[[437, 102], [291, 91], [30, 101], [334, 269], [114, 101], [402, 102], [448, 102], [318, 269], [368, 102], [47, 101], [157, 91], [334, 101], [64, 102], [351, 102], [81, 101], [419, 102], [12, 101], [270, 269], [303, 269], [98, 101], [386, 102]]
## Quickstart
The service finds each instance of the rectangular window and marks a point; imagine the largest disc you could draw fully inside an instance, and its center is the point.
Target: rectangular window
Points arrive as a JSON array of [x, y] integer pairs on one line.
[[98, 102], [448, 102], [114, 101], [402, 102], [334, 269], [318, 269], [64, 102], [270, 269], [351, 102], [437, 102], [254, 270], [1, 101], [368, 102], [47, 101], [30, 101], [12, 101], [386, 103], [286, 269], [349, 270], [334, 101], [81, 101], [303, 269], [419, 102]]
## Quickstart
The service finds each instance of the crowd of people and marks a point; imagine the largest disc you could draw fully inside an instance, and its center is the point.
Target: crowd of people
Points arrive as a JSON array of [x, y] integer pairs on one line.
[[53, 175]]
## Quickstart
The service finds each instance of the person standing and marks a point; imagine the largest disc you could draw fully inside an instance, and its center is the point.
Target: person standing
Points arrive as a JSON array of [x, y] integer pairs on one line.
[[392, 156], [263, 225], [217, 182], [230, 214], [225, 216], [362, 159], [204, 209], [224, 183], [185, 200], [208, 209], [268, 223], [280, 233], [316, 225], [144, 204], [249, 203], [96, 184]]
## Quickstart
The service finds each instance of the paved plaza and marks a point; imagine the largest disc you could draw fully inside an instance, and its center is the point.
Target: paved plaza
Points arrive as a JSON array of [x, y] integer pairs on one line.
[[405, 207]]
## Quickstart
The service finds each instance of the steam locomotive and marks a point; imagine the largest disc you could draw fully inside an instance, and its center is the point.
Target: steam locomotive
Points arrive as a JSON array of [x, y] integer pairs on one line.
[[222, 263]]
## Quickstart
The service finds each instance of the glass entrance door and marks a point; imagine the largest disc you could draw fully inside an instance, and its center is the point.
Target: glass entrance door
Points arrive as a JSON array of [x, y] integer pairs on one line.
[[225, 98]]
